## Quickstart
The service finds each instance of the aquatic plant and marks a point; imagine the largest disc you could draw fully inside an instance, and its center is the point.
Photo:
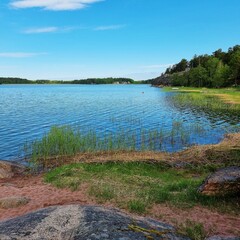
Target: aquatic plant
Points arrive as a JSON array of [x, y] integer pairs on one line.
[[204, 102], [64, 141]]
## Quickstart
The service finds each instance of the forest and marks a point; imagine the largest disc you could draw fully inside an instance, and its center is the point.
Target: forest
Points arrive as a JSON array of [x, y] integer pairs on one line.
[[8, 80], [220, 69]]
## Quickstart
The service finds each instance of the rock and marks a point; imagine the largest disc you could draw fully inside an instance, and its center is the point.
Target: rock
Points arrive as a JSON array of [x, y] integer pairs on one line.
[[179, 164], [225, 181], [14, 201], [9, 169], [223, 238], [84, 223]]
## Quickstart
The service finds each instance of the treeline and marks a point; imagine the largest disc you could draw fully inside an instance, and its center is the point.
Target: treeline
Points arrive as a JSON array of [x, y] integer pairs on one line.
[[103, 81], [221, 69], [85, 81], [14, 81]]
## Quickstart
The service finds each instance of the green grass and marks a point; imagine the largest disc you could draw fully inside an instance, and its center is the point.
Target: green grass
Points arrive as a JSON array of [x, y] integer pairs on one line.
[[137, 186], [65, 141], [224, 95], [136, 206], [193, 230], [205, 102]]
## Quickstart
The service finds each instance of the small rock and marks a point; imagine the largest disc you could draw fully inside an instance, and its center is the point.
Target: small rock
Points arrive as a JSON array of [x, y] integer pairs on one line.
[[14, 201], [180, 164], [225, 181], [9, 169]]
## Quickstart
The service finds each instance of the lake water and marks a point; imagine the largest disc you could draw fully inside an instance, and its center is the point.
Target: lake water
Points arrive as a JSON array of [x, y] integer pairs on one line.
[[28, 111]]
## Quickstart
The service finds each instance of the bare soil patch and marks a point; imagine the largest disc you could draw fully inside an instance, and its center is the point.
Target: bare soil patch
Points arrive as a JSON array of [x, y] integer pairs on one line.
[[44, 195]]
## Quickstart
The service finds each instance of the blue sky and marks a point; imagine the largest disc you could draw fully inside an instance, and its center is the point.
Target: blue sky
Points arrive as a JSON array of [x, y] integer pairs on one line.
[[75, 39]]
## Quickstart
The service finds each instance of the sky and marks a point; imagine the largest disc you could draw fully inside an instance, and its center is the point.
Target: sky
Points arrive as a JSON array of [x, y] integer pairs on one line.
[[77, 39]]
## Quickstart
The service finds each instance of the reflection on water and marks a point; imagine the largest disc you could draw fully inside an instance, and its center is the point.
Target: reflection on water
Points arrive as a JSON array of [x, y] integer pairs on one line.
[[28, 111]]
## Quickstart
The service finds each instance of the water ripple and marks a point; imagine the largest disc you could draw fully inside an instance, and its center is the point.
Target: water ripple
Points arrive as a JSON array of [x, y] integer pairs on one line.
[[27, 112]]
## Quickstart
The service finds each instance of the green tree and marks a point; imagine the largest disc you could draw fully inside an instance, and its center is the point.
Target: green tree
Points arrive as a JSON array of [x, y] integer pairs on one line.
[[211, 67], [221, 76], [235, 67], [198, 76]]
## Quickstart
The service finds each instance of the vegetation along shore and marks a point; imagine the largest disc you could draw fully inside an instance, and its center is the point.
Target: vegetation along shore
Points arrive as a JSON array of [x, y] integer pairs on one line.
[[196, 189]]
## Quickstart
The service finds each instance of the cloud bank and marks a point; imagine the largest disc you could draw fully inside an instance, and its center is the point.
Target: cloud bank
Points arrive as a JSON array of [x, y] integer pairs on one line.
[[55, 5]]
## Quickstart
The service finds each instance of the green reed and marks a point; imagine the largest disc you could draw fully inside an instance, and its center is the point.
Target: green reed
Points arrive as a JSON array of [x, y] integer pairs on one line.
[[205, 102], [65, 141]]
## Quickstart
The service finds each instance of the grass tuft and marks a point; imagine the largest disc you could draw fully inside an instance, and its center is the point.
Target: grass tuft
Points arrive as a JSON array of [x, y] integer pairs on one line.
[[136, 206], [193, 230]]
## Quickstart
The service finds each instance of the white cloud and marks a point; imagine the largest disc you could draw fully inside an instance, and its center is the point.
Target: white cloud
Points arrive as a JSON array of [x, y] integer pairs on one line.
[[41, 30], [55, 5], [54, 29], [20, 54], [157, 66], [49, 30], [110, 27]]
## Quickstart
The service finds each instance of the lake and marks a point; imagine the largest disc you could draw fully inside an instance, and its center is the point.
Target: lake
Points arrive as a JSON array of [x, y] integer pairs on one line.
[[28, 111]]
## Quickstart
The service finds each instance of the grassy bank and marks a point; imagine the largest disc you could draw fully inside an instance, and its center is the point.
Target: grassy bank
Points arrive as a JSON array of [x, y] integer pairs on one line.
[[138, 180], [137, 186], [226, 95], [64, 145], [65, 141]]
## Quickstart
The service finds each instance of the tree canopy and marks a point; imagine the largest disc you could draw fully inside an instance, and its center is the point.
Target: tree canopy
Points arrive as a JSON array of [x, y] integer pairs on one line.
[[82, 81], [220, 69]]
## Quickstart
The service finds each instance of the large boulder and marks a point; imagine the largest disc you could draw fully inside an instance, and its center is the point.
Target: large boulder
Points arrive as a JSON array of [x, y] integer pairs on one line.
[[225, 181], [9, 169], [85, 223]]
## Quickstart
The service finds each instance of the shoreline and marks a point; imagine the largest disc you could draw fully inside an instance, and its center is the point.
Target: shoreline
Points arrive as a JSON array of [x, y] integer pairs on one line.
[[42, 194], [194, 154]]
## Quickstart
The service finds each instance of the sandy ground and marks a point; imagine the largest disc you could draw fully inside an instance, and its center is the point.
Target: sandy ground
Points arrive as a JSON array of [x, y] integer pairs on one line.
[[44, 195]]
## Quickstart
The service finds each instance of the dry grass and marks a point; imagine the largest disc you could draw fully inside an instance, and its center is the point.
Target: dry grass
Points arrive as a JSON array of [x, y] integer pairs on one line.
[[228, 149], [231, 99], [225, 153], [227, 95]]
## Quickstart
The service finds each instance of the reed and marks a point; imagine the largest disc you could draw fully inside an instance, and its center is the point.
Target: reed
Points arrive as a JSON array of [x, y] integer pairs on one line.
[[62, 142], [205, 102]]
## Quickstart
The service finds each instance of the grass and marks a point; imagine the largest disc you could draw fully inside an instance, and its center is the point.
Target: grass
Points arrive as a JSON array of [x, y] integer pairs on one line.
[[227, 95], [136, 206], [193, 230], [65, 141], [207, 102], [137, 186]]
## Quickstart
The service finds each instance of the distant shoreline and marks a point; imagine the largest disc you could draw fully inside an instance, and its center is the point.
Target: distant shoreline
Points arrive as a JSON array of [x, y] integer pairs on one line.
[[89, 81]]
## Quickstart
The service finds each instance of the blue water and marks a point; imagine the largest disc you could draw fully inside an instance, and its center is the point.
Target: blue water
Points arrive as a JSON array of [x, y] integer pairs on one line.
[[28, 111]]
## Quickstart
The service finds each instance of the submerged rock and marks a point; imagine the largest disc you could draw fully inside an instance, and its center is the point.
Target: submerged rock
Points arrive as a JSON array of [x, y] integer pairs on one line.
[[13, 201], [225, 181], [9, 169], [85, 223]]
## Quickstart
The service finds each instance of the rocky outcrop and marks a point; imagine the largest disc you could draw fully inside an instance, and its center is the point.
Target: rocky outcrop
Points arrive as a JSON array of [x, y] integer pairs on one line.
[[9, 169], [13, 201], [225, 181], [163, 80], [85, 223]]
